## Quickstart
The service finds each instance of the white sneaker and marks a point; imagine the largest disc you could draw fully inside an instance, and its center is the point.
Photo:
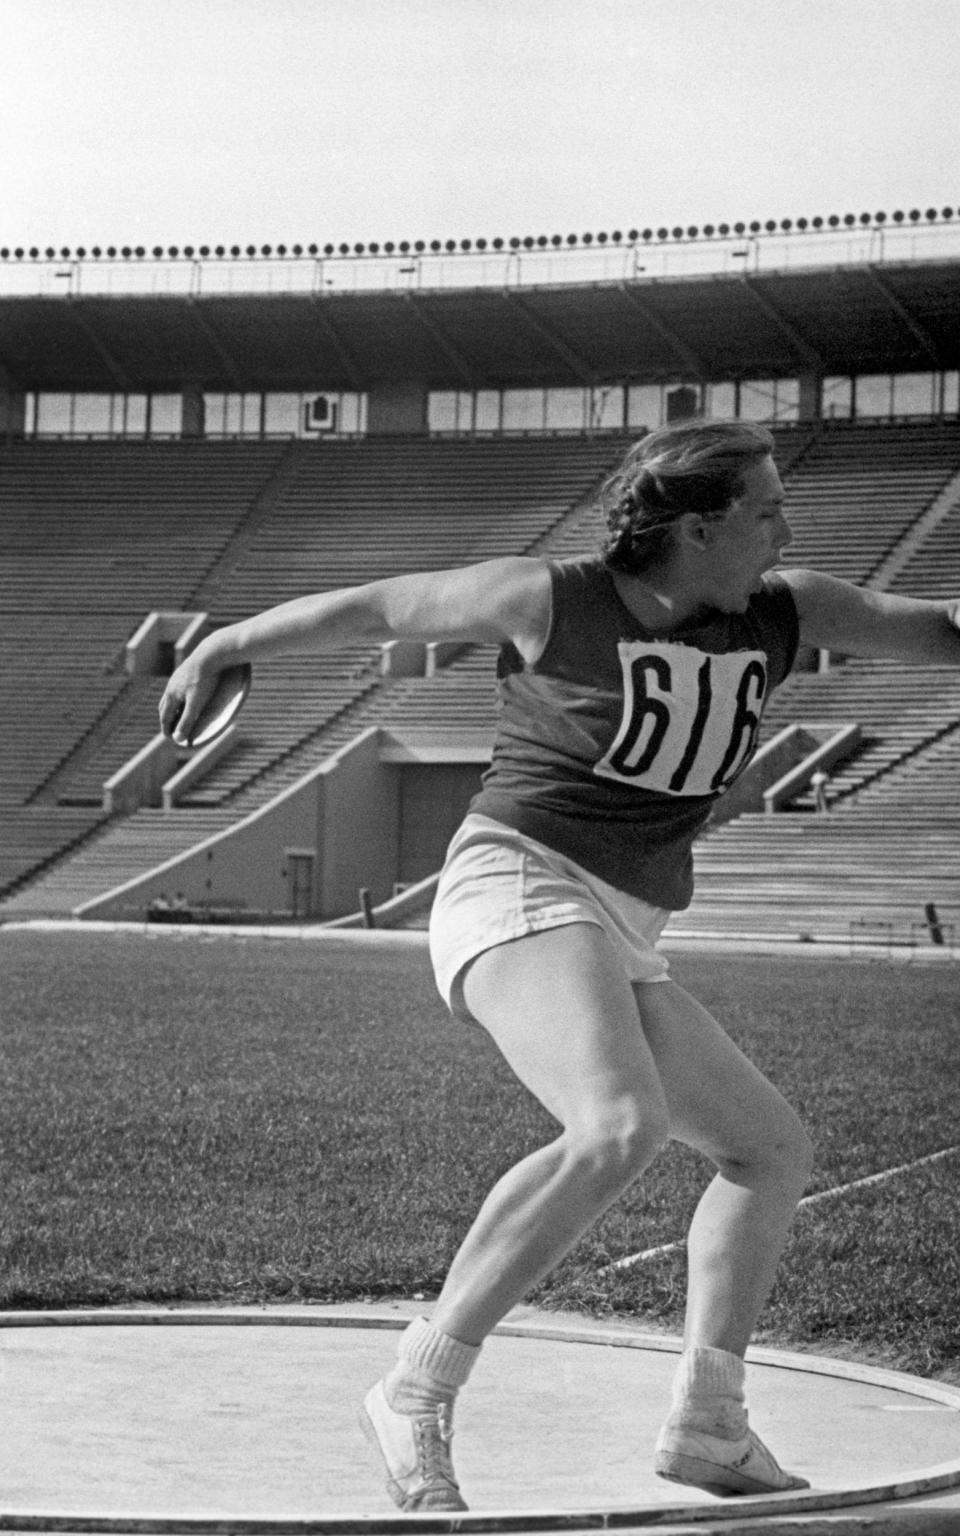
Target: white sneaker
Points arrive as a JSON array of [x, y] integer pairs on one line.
[[724, 1467], [415, 1452]]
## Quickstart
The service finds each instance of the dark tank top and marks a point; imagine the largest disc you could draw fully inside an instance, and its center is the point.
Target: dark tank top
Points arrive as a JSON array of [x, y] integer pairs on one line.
[[613, 747]]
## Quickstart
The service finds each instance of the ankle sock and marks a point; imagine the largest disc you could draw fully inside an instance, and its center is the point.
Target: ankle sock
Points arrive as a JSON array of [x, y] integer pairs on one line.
[[432, 1366], [708, 1393]]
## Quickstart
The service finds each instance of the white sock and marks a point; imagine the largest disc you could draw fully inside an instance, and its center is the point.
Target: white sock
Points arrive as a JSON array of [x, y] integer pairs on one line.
[[708, 1393], [431, 1368]]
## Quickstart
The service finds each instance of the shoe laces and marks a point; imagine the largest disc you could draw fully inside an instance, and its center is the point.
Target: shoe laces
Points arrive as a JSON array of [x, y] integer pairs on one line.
[[433, 1446]]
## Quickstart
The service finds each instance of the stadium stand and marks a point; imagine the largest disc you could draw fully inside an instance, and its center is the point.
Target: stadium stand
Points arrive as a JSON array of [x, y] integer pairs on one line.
[[357, 511], [858, 875], [94, 535], [346, 512], [862, 487], [934, 570], [899, 708]]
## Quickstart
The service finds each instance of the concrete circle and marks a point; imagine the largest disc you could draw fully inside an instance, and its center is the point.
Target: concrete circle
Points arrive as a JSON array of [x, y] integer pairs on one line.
[[244, 1420]]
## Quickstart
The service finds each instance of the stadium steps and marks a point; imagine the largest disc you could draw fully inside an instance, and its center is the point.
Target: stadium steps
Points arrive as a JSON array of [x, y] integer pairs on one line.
[[899, 707], [120, 733], [460, 699], [934, 569], [860, 488], [132, 719], [279, 472], [457, 701], [354, 512], [869, 866], [916, 541], [33, 837], [55, 685], [927, 783], [121, 851], [484, 525], [281, 732], [351, 512], [93, 536], [119, 527], [826, 875]]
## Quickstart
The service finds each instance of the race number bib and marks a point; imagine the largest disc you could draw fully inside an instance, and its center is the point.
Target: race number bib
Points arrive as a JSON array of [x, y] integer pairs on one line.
[[690, 720]]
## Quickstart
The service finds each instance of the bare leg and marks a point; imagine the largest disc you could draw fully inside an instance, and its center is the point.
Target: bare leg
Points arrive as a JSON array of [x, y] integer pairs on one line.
[[720, 1103], [566, 1021]]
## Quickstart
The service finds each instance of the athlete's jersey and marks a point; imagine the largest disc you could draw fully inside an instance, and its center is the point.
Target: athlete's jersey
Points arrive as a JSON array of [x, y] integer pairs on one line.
[[613, 747]]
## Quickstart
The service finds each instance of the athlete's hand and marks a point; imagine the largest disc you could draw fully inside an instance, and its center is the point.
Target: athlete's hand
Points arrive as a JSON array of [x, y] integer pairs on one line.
[[185, 695]]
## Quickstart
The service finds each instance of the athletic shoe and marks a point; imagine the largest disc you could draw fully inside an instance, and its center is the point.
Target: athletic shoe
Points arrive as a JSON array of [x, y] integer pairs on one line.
[[415, 1452], [723, 1467]]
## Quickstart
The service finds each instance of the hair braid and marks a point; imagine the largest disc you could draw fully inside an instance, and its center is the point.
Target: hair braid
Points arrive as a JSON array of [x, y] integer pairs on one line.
[[697, 467]]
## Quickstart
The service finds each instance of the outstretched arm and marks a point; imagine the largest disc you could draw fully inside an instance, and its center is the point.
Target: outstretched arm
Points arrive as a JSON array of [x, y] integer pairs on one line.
[[837, 616], [496, 601]]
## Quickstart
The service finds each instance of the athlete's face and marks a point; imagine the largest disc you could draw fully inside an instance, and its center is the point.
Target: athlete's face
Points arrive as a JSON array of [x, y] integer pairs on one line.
[[748, 539]]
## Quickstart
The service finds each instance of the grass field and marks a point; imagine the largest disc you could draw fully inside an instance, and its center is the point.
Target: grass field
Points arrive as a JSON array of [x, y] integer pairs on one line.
[[253, 1120]]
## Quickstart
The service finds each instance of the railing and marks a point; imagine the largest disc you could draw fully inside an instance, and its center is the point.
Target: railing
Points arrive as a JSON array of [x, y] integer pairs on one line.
[[421, 266]]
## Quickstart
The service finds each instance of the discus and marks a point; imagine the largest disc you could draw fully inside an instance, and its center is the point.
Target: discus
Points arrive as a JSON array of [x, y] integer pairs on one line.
[[223, 705]]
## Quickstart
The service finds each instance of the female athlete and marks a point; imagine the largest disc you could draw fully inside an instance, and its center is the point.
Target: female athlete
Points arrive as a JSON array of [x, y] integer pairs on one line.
[[631, 689]]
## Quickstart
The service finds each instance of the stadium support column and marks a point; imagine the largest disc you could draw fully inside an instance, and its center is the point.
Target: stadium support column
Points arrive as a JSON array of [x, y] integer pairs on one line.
[[811, 396], [13, 407], [193, 406], [400, 409]]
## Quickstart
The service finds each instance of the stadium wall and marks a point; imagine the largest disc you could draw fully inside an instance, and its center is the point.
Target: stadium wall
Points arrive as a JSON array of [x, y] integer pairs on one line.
[[344, 812]]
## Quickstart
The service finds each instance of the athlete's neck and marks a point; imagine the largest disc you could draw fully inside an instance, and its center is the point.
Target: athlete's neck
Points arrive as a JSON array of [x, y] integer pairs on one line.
[[654, 602]]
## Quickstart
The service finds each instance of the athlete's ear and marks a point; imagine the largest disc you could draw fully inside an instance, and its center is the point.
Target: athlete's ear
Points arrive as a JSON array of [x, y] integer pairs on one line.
[[693, 532]]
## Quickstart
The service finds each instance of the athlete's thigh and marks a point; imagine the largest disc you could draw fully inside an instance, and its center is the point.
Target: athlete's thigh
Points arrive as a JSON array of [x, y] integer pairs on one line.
[[718, 1101], [565, 1017]]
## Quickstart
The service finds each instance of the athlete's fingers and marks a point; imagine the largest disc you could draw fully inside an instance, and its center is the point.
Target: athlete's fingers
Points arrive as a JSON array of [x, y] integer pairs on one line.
[[181, 703]]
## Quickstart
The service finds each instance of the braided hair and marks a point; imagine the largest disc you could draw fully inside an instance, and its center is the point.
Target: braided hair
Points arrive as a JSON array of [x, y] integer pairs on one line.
[[697, 466]]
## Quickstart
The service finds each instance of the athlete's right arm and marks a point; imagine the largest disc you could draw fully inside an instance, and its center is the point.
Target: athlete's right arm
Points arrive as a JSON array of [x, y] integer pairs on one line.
[[493, 602]]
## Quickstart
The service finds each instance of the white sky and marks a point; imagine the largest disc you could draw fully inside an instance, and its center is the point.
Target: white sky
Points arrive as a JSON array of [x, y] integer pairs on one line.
[[228, 121]]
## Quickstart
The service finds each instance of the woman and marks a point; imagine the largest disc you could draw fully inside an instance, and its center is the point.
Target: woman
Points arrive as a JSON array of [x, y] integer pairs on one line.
[[632, 685]]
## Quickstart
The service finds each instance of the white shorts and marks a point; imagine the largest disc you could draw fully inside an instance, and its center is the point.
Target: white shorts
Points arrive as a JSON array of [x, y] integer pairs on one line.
[[499, 885]]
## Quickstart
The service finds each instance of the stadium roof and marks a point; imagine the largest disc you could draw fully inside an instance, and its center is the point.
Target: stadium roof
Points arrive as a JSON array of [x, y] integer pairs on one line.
[[868, 318]]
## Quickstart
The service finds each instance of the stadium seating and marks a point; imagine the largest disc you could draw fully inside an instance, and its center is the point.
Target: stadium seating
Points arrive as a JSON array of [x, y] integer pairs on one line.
[[289, 518], [93, 536], [859, 489], [343, 512], [357, 511], [860, 873], [934, 570], [898, 707]]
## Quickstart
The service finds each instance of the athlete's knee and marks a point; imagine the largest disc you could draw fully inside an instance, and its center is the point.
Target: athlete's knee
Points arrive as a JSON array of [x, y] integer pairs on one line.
[[619, 1141], [783, 1156]]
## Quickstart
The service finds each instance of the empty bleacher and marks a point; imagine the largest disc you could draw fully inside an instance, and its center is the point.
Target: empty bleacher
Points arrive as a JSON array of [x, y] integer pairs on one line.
[[864, 872], [345, 512], [861, 487], [855, 874], [934, 568], [899, 708], [115, 529], [92, 536], [356, 511]]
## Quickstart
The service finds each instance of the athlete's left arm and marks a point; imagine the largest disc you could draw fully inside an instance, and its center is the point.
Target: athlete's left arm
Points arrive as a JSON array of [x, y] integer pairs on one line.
[[837, 616]]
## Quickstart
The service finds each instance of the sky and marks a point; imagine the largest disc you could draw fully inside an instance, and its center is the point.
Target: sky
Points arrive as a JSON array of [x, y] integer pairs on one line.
[[298, 121]]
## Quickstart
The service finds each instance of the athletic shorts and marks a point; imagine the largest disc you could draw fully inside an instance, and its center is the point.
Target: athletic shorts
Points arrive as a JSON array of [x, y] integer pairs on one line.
[[498, 885]]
